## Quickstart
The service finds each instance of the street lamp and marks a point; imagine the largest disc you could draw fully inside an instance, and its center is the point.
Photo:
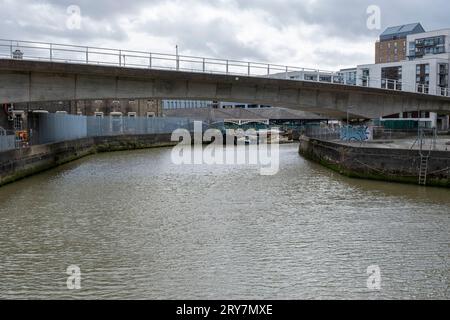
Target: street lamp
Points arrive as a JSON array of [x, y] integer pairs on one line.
[[178, 57]]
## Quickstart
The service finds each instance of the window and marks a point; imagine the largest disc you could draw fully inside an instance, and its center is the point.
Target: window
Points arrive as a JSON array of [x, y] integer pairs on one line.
[[432, 45], [365, 77], [423, 78], [443, 75], [391, 78], [325, 78]]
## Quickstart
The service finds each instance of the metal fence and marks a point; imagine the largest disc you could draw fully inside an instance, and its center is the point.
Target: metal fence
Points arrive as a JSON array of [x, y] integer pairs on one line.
[[62, 127], [55, 127], [63, 53], [111, 125], [7, 140], [323, 133]]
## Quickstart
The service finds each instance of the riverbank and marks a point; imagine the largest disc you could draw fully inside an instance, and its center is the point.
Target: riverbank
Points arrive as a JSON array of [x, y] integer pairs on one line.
[[378, 162], [21, 163]]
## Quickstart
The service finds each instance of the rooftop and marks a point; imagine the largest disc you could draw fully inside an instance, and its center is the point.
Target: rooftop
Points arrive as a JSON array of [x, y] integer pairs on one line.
[[402, 31]]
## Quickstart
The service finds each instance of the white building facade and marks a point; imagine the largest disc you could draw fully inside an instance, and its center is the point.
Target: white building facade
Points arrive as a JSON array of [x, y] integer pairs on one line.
[[426, 70]]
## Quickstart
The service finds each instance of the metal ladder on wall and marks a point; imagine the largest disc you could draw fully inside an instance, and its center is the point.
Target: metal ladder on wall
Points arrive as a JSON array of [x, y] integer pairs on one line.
[[423, 171], [425, 157]]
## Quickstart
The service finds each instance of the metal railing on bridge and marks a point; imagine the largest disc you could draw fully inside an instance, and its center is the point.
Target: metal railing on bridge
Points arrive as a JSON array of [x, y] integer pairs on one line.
[[63, 53]]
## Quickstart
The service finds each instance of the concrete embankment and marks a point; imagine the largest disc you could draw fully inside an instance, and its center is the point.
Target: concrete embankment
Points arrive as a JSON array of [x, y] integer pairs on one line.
[[17, 164], [387, 164]]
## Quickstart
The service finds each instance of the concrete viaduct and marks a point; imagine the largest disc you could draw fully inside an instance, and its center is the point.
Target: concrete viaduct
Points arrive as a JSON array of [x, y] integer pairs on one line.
[[36, 81]]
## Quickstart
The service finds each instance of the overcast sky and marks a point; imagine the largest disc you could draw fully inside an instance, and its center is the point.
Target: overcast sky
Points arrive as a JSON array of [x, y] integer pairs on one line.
[[326, 34]]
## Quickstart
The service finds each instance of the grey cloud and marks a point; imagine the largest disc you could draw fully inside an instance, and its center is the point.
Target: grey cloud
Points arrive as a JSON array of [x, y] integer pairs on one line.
[[345, 59], [27, 21], [215, 38], [347, 18]]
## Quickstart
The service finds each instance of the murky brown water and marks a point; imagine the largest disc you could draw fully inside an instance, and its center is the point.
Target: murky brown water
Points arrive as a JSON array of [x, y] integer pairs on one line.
[[141, 227]]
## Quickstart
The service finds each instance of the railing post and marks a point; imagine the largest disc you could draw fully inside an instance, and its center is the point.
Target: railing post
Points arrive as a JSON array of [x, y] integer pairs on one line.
[[11, 49], [248, 71], [395, 84], [120, 58], [87, 55], [287, 71], [227, 66], [268, 70], [124, 62], [51, 52], [150, 60], [318, 75], [204, 65]]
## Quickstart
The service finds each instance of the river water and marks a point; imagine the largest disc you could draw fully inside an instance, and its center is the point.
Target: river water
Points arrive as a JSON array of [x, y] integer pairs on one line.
[[140, 227]]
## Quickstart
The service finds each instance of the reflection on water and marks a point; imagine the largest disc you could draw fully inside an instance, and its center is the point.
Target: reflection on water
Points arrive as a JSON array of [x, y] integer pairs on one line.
[[141, 227]]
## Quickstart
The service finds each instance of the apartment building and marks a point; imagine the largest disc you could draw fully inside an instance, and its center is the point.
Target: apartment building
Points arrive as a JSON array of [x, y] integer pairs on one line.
[[393, 45], [433, 43], [424, 69]]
